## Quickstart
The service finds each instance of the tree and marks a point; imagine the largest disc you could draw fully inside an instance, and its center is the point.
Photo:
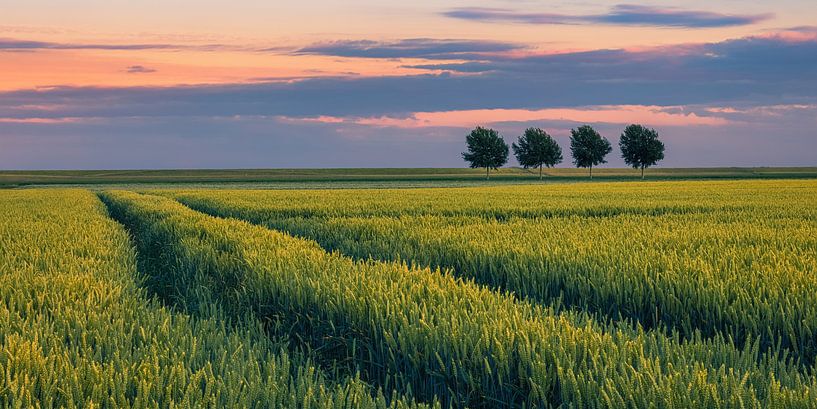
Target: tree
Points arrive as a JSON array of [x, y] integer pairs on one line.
[[486, 149], [536, 149], [640, 147], [588, 147]]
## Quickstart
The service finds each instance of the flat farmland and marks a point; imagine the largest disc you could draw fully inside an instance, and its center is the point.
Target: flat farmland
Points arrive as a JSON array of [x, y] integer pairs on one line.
[[673, 293], [369, 177]]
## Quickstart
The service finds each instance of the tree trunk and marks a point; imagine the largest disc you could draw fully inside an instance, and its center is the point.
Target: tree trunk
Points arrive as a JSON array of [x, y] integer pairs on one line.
[[487, 175], [642, 172], [540, 172], [591, 171]]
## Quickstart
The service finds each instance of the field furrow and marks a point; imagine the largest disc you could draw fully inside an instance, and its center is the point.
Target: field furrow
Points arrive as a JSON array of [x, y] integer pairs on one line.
[[743, 271], [77, 330], [438, 336]]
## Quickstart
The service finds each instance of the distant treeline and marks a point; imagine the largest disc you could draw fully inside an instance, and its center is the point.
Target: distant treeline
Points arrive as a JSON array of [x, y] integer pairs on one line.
[[639, 146]]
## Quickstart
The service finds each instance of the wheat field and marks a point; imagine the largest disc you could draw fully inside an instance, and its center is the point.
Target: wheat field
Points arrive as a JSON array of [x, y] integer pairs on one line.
[[604, 295]]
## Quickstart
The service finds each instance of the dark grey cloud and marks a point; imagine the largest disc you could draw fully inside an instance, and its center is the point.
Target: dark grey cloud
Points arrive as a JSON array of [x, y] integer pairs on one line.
[[139, 69], [411, 48], [623, 14], [466, 67], [759, 71], [406, 48], [629, 14], [757, 63]]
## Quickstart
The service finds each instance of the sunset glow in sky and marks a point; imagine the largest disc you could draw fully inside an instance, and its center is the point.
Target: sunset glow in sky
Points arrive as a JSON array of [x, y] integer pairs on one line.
[[174, 84]]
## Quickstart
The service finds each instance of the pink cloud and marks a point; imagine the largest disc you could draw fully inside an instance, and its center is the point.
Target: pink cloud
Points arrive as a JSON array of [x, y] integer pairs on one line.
[[792, 35], [64, 120], [39, 107], [613, 114], [765, 110]]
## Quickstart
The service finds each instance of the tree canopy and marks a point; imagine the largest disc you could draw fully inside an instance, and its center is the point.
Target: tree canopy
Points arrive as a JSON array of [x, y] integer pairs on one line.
[[486, 149], [588, 148], [640, 147], [535, 149]]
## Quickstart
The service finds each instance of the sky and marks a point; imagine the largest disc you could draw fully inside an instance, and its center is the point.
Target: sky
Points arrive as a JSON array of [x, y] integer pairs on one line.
[[113, 84]]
